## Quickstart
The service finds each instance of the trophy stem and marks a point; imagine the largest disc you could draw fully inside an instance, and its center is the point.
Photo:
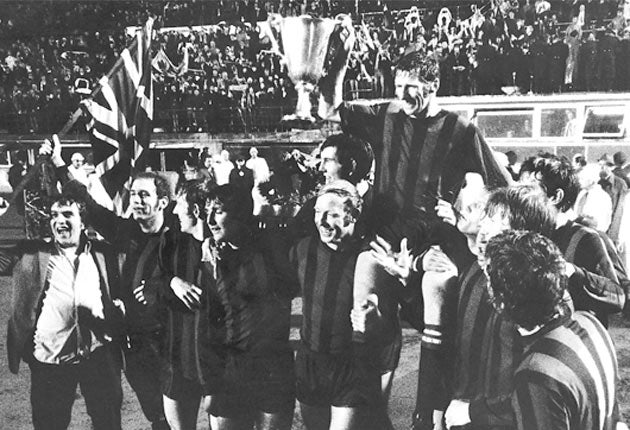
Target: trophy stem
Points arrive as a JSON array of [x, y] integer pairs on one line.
[[304, 105]]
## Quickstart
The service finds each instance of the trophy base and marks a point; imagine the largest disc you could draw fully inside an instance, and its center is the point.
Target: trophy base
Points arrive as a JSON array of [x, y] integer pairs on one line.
[[298, 121]]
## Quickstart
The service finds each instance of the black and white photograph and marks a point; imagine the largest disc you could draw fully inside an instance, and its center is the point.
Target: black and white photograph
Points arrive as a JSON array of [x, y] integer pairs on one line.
[[315, 214]]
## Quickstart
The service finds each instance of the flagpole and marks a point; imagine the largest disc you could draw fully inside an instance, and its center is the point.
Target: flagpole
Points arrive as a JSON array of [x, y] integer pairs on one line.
[[34, 170]]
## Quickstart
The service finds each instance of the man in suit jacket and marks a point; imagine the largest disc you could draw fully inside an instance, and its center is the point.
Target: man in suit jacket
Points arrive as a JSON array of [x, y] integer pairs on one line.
[[64, 322]]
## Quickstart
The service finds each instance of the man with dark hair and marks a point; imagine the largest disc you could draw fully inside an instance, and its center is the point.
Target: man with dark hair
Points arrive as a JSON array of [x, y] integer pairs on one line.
[[596, 275], [137, 239], [568, 374], [194, 320], [342, 157], [457, 343], [250, 275], [477, 398], [421, 152], [589, 290], [64, 322]]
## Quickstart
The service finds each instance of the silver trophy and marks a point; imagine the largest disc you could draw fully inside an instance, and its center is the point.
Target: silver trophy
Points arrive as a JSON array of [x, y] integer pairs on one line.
[[308, 47]]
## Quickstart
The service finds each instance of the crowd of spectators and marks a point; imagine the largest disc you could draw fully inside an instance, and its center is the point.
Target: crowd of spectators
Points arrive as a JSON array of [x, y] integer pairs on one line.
[[233, 82]]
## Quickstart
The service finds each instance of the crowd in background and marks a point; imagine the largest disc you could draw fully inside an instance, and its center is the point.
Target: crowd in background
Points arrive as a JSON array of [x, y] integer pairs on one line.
[[234, 82], [605, 182]]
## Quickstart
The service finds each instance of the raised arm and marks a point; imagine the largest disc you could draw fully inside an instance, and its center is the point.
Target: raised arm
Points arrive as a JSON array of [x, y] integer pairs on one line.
[[104, 221], [331, 85]]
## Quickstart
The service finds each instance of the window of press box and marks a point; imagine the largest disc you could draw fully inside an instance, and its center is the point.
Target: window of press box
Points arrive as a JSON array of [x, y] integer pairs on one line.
[[604, 121], [505, 124]]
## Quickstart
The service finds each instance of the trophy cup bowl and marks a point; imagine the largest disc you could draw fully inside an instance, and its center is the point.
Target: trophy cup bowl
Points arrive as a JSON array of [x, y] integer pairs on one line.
[[307, 45]]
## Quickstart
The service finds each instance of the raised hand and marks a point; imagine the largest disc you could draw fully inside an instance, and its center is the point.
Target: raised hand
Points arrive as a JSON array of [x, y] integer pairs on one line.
[[397, 264], [53, 149]]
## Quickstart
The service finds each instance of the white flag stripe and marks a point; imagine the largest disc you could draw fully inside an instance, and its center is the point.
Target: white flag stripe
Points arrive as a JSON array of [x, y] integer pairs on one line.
[[105, 138], [107, 164], [132, 70]]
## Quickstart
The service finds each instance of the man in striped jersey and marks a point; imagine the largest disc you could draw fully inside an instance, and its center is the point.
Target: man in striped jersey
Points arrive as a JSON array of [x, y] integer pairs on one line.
[[522, 207], [138, 240], [192, 351], [591, 283], [567, 377], [336, 384], [250, 273], [459, 342], [422, 153], [596, 283]]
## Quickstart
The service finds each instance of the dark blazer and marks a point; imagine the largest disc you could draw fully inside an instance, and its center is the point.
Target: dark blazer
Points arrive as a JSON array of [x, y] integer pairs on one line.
[[28, 263]]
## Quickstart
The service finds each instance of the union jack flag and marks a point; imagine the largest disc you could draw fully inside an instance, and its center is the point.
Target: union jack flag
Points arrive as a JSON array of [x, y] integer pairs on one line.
[[121, 111]]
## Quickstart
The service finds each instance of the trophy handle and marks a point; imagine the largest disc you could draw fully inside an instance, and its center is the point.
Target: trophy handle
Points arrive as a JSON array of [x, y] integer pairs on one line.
[[340, 45], [274, 21]]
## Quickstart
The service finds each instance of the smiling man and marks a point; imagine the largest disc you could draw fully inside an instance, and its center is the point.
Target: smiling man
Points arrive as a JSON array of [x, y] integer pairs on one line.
[[138, 240], [336, 386], [249, 273], [64, 321], [194, 314], [482, 380], [567, 375], [422, 152], [342, 157]]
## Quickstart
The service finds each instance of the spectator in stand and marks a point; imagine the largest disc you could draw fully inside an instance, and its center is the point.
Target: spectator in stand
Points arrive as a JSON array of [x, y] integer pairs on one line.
[[623, 62], [540, 61], [40, 71], [573, 35], [588, 66], [558, 53], [606, 56], [458, 69]]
